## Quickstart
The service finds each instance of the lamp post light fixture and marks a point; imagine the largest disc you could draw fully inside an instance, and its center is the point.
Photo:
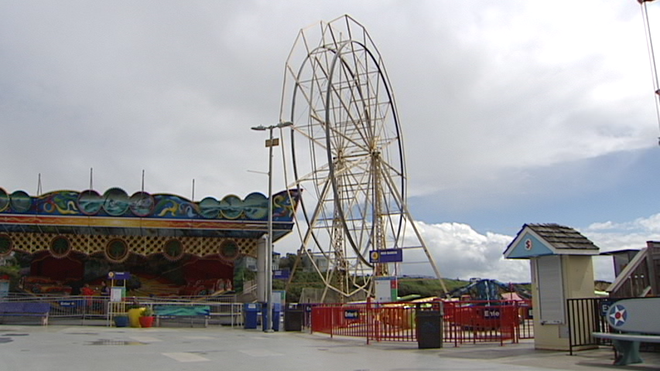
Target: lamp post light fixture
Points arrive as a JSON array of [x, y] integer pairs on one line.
[[270, 143]]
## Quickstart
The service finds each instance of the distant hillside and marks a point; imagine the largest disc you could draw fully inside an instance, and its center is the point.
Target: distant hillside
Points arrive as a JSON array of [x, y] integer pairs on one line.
[[427, 286], [422, 286]]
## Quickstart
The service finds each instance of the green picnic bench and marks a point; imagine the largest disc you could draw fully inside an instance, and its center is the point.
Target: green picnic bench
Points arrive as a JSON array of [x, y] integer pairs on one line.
[[635, 321]]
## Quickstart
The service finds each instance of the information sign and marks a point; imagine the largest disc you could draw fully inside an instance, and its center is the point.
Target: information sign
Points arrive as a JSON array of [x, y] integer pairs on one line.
[[386, 256]]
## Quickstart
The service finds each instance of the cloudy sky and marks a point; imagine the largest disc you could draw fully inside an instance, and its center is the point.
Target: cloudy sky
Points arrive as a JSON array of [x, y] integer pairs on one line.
[[513, 112]]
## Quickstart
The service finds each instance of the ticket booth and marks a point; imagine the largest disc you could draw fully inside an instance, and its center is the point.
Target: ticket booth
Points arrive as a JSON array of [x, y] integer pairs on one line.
[[562, 268]]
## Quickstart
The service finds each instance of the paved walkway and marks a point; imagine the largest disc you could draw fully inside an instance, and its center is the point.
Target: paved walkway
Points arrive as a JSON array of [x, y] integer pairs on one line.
[[98, 348]]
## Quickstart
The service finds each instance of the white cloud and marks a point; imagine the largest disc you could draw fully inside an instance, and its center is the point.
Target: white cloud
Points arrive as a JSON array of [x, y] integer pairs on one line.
[[461, 252], [610, 236]]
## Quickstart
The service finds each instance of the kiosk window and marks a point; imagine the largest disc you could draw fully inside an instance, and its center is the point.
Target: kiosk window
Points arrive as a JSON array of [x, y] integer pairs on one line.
[[551, 296]]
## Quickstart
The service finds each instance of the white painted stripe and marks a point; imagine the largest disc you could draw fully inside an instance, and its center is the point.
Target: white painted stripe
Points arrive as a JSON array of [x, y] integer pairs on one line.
[[199, 337], [186, 357], [260, 353], [145, 339]]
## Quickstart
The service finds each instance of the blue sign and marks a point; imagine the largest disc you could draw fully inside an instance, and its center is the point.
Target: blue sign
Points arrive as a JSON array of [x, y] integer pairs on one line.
[[386, 256], [119, 275], [352, 314], [69, 303], [282, 274]]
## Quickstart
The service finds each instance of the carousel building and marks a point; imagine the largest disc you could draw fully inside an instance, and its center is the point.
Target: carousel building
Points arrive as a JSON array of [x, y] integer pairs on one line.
[[171, 245]]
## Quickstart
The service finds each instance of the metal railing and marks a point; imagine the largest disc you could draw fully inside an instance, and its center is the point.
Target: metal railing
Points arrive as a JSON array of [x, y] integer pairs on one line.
[[99, 310], [584, 317], [374, 321], [476, 321], [462, 321]]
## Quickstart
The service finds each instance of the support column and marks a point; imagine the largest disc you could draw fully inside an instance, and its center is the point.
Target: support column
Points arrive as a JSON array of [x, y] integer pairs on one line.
[[262, 253]]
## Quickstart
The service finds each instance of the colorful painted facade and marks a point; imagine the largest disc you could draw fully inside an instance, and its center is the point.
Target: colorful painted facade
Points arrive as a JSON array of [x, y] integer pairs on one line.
[[63, 226]]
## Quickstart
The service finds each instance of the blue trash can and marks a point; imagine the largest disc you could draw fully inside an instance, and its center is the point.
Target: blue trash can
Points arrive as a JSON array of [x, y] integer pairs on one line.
[[275, 316], [251, 312], [277, 309]]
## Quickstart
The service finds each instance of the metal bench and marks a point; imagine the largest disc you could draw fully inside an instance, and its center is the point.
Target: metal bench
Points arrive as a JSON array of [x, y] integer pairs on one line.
[[182, 311], [636, 321], [26, 309]]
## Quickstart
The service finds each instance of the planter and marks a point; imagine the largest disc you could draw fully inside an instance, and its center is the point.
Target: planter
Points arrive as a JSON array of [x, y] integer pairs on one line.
[[147, 321], [121, 321]]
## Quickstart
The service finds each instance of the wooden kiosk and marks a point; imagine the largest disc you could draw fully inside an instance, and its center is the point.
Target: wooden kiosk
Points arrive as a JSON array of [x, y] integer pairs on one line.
[[561, 268]]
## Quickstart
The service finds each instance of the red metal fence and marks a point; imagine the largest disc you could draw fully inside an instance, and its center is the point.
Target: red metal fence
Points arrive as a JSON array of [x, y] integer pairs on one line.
[[487, 321], [463, 321]]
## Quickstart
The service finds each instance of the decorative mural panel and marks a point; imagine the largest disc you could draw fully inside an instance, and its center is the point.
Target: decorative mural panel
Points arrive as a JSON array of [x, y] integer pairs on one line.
[[5, 245], [116, 250], [116, 224], [20, 201], [4, 200], [141, 245], [115, 202], [90, 202], [60, 247], [209, 208], [229, 250], [231, 207], [61, 203], [173, 249], [142, 204], [255, 206]]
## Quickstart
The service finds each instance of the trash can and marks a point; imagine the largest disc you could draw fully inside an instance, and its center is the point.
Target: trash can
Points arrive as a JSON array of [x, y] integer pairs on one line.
[[251, 312], [265, 317], [134, 315], [429, 328], [293, 318], [277, 309]]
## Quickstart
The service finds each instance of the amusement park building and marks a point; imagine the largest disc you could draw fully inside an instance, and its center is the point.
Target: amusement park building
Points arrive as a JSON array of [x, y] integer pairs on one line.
[[73, 238]]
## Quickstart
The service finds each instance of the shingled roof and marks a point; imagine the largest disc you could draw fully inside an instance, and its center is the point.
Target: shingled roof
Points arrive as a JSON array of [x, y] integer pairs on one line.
[[561, 237]]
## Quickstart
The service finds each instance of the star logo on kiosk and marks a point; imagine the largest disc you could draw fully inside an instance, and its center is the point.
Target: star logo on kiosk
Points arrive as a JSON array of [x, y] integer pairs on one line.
[[617, 315]]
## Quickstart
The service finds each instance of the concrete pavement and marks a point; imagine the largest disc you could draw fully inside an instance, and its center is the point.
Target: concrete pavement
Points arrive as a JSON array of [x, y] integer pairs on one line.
[[99, 348]]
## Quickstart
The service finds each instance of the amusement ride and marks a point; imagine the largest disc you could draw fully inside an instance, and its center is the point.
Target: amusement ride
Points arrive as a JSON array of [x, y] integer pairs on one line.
[[348, 160]]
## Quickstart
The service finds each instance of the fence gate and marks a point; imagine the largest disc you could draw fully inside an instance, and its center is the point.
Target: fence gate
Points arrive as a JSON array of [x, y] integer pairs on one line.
[[584, 317]]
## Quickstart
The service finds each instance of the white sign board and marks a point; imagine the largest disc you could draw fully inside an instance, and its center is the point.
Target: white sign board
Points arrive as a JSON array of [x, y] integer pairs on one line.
[[386, 289], [117, 294]]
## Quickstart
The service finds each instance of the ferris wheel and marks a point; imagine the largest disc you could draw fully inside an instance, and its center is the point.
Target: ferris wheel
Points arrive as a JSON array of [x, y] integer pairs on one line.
[[348, 158]]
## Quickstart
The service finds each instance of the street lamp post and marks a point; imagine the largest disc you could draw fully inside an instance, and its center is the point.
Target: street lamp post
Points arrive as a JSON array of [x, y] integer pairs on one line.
[[270, 143]]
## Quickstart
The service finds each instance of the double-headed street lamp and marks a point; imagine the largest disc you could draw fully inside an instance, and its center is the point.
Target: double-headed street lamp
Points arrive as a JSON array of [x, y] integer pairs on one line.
[[270, 143]]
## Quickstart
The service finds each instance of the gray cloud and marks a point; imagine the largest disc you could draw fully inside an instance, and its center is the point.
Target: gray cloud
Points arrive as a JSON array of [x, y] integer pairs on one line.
[[485, 90]]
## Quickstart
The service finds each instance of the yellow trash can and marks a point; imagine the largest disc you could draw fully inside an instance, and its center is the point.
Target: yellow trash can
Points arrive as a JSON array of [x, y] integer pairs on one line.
[[134, 316]]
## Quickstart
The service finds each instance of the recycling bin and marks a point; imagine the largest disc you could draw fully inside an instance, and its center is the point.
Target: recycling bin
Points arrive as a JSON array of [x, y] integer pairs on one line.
[[275, 315], [251, 313], [277, 310]]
